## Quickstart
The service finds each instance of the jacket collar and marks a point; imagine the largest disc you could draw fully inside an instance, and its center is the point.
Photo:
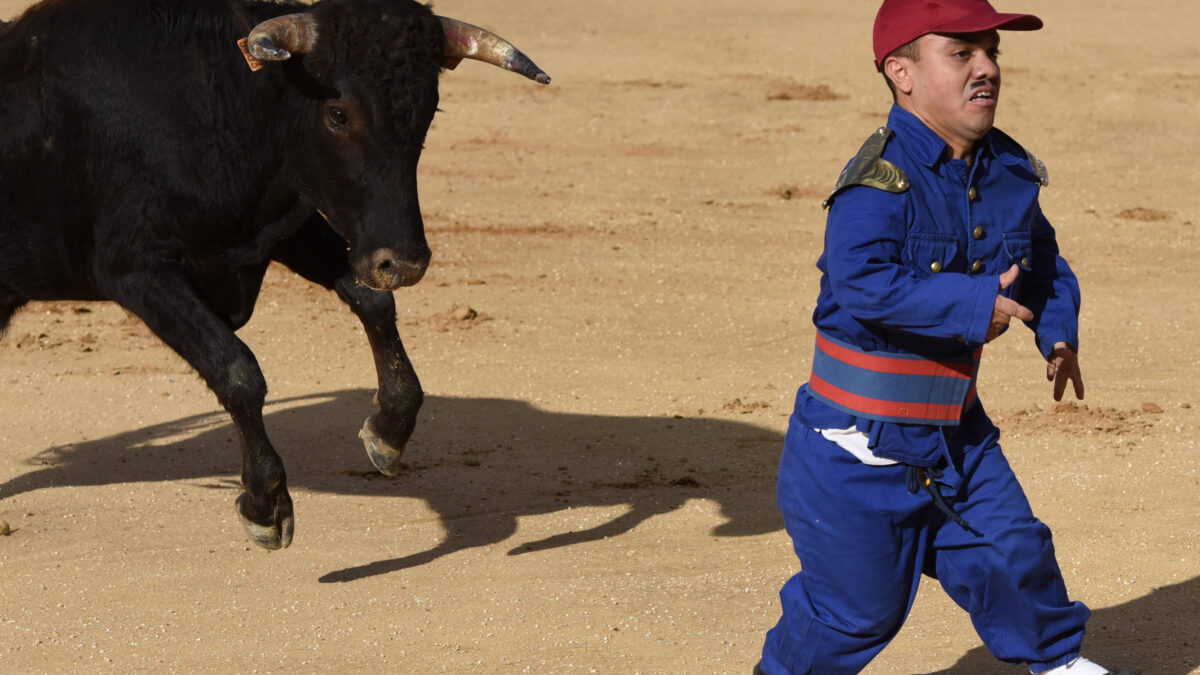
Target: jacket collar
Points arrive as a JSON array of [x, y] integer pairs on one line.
[[928, 148], [918, 139]]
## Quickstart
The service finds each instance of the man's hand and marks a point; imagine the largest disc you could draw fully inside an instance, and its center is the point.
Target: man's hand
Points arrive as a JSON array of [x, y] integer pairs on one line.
[[1006, 309], [1063, 366]]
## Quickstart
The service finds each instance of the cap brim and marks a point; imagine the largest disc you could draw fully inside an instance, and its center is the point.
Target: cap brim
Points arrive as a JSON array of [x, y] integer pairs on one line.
[[982, 22]]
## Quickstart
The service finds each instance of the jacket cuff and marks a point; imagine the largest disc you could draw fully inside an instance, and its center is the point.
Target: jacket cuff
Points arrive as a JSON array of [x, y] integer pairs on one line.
[[1048, 338], [982, 304]]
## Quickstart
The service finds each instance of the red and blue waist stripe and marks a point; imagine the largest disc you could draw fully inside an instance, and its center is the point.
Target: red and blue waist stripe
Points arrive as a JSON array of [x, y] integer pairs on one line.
[[903, 388]]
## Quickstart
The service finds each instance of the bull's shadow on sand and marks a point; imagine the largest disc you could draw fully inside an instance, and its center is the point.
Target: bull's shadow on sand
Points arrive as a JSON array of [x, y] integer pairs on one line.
[[480, 464]]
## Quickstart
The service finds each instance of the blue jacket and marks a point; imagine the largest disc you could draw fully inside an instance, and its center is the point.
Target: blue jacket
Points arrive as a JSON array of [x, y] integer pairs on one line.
[[918, 271]]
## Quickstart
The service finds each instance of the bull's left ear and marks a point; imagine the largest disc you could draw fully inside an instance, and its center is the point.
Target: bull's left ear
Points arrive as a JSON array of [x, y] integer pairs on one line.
[[279, 38], [464, 41]]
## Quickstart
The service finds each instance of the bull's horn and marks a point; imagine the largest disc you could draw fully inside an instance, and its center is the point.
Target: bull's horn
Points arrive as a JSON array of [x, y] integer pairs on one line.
[[464, 41], [277, 39]]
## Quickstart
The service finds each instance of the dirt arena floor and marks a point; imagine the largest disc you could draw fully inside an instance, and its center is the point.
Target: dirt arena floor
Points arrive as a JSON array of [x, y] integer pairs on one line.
[[610, 336]]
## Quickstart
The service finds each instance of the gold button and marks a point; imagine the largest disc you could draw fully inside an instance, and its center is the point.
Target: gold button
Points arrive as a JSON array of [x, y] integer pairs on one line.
[[976, 266], [935, 266], [972, 194], [977, 232], [1025, 262]]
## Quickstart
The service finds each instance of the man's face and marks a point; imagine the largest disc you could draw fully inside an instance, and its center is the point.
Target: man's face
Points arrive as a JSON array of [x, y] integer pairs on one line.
[[956, 86]]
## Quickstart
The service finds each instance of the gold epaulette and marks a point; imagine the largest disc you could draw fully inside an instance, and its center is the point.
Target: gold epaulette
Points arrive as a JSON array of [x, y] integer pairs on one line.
[[1039, 169], [869, 168]]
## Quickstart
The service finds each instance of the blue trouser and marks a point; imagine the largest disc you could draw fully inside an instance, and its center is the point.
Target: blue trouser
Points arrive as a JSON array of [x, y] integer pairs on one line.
[[864, 540]]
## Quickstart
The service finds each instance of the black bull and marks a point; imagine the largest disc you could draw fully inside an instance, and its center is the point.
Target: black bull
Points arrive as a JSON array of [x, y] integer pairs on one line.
[[146, 159]]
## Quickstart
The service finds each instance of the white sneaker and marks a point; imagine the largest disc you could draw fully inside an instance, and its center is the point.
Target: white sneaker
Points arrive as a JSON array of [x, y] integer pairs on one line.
[[1078, 666]]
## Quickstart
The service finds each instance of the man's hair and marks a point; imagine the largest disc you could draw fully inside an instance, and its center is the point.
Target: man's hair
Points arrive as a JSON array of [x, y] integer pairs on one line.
[[911, 51]]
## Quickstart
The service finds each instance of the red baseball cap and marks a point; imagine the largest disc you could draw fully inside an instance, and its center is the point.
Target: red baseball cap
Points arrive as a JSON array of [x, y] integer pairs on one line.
[[902, 21]]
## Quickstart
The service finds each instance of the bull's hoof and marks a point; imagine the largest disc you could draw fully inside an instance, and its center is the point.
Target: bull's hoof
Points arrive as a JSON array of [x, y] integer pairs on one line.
[[384, 456], [273, 536]]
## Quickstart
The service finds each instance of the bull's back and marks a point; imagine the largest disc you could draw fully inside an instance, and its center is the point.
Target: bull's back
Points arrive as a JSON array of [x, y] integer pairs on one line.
[[34, 187], [123, 133]]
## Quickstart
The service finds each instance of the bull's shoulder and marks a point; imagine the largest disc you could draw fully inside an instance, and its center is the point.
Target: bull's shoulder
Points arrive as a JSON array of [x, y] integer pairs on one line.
[[869, 168]]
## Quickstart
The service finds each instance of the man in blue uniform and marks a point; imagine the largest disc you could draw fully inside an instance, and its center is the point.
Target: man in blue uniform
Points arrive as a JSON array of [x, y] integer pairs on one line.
[[891, 469]]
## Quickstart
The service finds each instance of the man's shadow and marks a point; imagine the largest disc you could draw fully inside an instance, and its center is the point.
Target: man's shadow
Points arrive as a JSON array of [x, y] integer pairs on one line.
[[480, 464], [1158, 634]]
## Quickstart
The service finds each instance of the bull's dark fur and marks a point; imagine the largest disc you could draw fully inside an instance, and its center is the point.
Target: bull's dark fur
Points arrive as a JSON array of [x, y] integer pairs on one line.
[[142, 161]]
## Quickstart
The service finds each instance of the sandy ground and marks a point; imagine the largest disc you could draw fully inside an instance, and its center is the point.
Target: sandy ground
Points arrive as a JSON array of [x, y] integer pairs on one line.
[[590, 487]]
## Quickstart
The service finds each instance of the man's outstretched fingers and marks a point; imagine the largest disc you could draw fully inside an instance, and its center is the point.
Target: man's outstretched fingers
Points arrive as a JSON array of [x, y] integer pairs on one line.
[[1062, 366]]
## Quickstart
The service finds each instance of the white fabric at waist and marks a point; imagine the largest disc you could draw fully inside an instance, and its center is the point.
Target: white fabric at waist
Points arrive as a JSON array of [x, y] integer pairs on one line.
[[854, 442]]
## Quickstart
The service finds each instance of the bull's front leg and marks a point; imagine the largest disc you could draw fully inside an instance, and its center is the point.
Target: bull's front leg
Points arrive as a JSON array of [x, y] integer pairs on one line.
[[386, 432], [171, 309], [316, 253]]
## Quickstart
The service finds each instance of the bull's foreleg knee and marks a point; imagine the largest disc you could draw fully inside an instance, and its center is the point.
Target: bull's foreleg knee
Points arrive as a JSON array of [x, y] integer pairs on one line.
[[385, 434]]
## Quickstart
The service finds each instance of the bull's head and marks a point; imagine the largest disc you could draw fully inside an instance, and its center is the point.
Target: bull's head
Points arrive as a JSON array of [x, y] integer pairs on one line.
[[371, 80]]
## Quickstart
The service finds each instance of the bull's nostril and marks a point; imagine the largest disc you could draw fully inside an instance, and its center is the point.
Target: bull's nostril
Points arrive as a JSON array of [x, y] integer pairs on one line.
[[385, 269]]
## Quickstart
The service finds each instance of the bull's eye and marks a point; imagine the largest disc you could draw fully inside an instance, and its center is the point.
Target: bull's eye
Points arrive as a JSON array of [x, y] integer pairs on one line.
[[337, 117]]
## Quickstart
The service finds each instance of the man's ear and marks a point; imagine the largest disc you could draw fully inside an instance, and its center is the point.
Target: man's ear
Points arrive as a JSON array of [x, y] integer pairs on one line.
[[899, 71]]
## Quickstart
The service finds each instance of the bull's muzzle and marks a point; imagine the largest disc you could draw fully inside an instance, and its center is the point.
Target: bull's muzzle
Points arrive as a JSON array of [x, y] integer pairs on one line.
[[385, 270]]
